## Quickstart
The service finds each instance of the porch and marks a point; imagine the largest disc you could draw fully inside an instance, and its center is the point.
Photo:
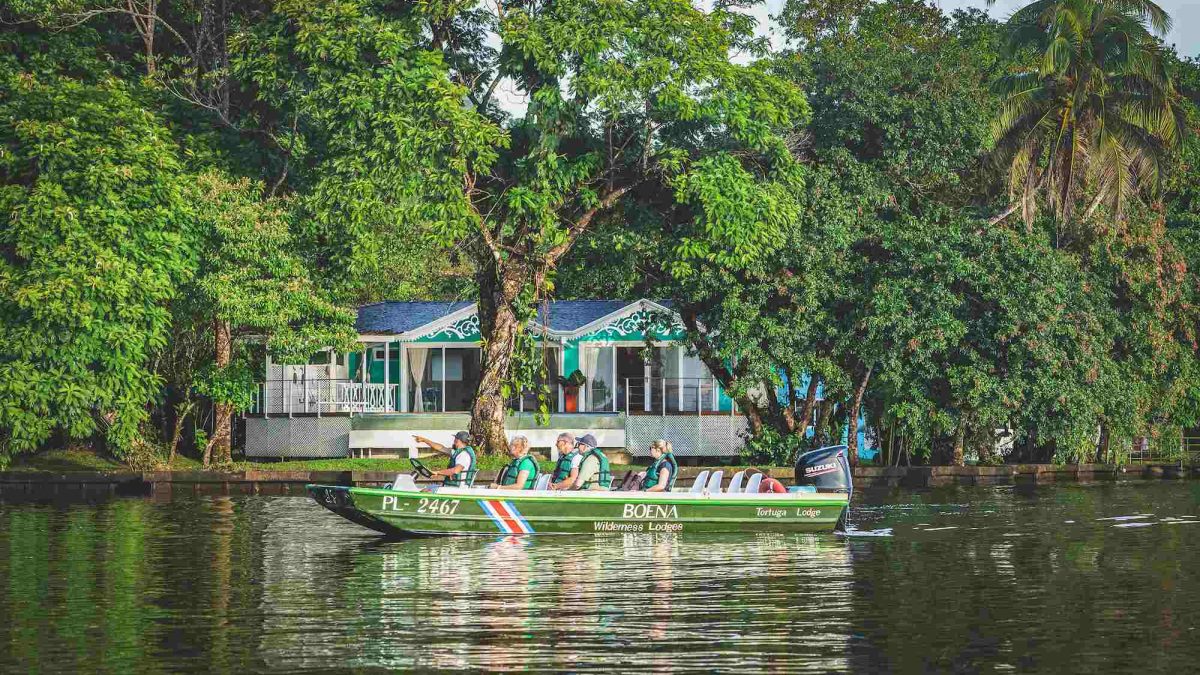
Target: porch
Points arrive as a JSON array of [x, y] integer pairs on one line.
[[392, 376], [302, 396]]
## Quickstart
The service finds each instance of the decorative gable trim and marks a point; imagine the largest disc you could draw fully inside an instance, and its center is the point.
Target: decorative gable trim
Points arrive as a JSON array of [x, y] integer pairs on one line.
[[456, 325], [629, 320]]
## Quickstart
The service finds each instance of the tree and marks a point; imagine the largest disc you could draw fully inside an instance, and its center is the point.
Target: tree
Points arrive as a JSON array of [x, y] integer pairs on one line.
[[250, 282], [626, 101], [1094, 116], [93, 250]]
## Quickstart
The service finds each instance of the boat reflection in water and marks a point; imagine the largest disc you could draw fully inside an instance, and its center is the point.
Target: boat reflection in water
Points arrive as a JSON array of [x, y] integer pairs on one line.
[[563, 602]]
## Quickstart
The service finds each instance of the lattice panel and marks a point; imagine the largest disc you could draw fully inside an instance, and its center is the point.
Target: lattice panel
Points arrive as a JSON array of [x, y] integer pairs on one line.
[[691, 436], [298, 437]]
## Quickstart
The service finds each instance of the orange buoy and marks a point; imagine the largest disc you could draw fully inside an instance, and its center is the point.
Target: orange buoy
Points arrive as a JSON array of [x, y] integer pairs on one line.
[[771, 485]]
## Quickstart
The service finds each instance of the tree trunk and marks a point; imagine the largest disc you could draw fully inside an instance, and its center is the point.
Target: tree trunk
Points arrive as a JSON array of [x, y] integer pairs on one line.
[[986, 446], [810, 403], [721, 372], [1102, 448], [824, 421], [852, 418], [182, 410], [956, 458], [781, 415], [498, 327], [145, 21], [222, 438]]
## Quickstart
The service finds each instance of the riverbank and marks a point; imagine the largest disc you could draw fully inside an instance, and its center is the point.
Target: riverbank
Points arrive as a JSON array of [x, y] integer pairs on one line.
[[42, 483]]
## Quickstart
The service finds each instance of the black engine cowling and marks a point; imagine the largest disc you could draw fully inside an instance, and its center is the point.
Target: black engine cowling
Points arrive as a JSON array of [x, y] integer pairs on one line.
[[827, 469]]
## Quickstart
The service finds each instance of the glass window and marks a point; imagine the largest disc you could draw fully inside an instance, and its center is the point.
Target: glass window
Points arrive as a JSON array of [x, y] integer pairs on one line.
[[462, 377]]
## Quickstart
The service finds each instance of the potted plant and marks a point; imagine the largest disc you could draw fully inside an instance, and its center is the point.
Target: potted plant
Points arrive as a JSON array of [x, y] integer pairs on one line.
[[571, 385]]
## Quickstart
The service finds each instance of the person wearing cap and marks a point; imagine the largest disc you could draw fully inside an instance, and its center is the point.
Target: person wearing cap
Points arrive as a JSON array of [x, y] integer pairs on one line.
[[461, 472], [569, 458], [594, 471]]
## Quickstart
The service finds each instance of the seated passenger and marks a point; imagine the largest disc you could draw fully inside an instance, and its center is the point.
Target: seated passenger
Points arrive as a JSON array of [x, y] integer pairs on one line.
[[594, 472], [461, 471], [660, 477], [522, 472], [569, 457]]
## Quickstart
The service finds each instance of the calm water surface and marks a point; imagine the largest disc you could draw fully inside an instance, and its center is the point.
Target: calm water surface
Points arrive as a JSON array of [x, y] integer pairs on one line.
[[1101, 578]]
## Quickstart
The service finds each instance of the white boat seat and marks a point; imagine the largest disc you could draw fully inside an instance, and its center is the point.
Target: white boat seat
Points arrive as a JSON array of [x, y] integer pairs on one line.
[[755, 481], [700, 482], [405, 482], [714, 482], [543, 482], [735, 483]]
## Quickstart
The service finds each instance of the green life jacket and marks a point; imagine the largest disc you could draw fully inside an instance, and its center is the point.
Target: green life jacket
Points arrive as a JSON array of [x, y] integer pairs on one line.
[[462, 478], [515, 467], [603, 477], [651, 478], [563, 468]]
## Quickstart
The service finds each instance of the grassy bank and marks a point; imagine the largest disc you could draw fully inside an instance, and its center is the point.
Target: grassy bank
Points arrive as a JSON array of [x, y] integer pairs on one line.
[[74, 459]]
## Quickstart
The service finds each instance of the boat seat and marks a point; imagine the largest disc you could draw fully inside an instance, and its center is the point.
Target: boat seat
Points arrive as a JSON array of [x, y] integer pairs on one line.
[[735, 483], [700, 482], [543, 482], [405, 482], [755, 481], [714, 482]]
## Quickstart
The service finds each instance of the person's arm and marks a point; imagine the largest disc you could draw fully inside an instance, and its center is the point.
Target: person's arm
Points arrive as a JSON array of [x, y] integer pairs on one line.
[[433, 445], [663, 475], [450, 471], [588, 469], [522, 476], [566, 483]]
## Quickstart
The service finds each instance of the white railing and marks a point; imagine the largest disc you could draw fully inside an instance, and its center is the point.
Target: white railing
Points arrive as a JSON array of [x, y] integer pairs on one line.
[[366, 397], [321, 397]]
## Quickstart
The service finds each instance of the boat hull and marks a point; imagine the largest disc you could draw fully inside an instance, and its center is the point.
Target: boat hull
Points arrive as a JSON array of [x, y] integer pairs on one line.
[[507, 512]]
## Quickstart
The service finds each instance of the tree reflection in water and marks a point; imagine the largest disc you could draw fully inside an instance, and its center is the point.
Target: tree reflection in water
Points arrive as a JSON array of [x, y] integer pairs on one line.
[[1047, 578]]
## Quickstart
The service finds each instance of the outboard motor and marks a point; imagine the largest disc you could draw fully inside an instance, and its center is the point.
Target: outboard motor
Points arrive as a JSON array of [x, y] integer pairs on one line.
[[826, 469]]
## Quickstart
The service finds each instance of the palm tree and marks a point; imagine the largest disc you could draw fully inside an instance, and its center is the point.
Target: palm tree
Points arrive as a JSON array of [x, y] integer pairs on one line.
[[1096, 115]]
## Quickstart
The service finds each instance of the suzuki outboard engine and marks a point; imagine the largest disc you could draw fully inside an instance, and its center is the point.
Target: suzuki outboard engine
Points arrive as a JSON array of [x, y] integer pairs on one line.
[[826, 469]]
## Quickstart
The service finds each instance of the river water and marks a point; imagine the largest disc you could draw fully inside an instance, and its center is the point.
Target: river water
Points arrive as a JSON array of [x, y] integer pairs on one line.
[[1064, 578]]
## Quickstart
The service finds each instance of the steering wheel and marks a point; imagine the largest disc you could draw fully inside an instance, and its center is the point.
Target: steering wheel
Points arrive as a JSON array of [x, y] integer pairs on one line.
[[420, 468]]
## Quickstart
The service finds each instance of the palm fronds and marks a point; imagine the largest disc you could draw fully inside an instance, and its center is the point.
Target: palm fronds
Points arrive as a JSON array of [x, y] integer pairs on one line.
[[1095, 114]]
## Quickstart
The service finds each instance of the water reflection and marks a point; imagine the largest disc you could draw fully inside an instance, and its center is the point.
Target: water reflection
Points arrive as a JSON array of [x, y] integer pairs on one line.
[[969, 579]]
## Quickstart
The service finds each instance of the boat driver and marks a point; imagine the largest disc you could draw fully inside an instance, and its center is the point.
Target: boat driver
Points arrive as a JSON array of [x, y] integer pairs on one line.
[[522, 472], [661, 474], [594, 471], [461, 471], [569, 458]]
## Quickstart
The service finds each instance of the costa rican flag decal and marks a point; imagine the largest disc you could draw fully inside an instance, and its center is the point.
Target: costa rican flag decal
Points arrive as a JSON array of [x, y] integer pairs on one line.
[[506, 516]]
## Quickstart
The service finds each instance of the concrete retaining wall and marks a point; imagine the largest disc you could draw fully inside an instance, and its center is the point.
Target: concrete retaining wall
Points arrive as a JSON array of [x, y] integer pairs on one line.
[[20, 484]]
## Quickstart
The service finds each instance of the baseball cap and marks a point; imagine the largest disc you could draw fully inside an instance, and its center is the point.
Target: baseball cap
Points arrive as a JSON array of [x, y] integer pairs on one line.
[[463, 436], [588, 440]]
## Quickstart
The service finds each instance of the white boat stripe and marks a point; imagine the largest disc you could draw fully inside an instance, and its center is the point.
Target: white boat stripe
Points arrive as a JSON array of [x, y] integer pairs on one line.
[[513, 510], [506, 513], [488, 509]]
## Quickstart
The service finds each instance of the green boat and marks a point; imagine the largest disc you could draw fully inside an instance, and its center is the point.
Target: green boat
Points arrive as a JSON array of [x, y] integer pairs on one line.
[[820, 503]]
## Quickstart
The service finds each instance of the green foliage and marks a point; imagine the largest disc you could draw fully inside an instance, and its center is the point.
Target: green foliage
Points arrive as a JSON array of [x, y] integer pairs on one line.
[[772, 448], [575, 379], [93, 249], [1094, 113], [251, 276], [816, 213], [376, 139]]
